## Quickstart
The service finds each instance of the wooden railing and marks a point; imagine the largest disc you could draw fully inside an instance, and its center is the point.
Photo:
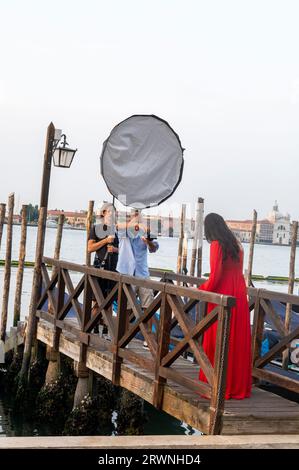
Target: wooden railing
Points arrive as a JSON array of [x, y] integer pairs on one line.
[[170, 307], [263, 303]]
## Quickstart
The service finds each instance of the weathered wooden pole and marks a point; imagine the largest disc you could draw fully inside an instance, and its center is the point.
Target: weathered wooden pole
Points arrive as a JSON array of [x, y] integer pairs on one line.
[[185, 254], [181, 238], [7, 271], [2, 217], [170, 225], [20, 273], [251, 248], [200, 236], [58, 241], [36, 284], [285, 356], [52, 354], [88, 227], [195, 239], [85, 376]]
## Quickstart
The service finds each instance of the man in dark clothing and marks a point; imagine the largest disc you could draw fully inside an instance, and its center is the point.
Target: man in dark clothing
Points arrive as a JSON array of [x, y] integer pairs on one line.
[[104, 241]]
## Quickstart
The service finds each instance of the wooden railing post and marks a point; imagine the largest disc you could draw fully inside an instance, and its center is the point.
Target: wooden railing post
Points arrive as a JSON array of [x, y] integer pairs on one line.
[[120, 331], [53, 369], [163, 348], [257, 329], [220, 370], [81, 370]]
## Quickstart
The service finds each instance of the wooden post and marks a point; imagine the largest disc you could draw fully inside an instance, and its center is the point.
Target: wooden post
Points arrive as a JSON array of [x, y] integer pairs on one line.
[[88, 227], [200, 236], [58, 241], [251, 249], [181, 238], [53, 355], [120, 331], [2, 217], [35, 293], [36, 284], [88, 262], [20, 273], [257, 330], [163, 348], [82, 372], [194, 242], [285, 356], [185, 254], [170, 225], [220, 371], [7, 272]]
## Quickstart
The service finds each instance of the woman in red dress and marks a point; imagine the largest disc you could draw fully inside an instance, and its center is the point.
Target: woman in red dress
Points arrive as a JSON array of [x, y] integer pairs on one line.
[[226, 277]]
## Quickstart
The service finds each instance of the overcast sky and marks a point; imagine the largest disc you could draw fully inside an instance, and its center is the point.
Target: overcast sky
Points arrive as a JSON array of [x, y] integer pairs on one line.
[[224, 74]]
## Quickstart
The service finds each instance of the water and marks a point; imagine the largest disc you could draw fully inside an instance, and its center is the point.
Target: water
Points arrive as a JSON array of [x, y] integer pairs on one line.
[[268, 260]]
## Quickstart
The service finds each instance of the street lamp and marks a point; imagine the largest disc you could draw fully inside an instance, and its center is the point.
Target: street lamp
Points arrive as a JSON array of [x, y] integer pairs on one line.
[[62, 156]]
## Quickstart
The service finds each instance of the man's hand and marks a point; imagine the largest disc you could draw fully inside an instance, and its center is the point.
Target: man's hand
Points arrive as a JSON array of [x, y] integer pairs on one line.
[[109, 239], [151, 246], [110, 249]]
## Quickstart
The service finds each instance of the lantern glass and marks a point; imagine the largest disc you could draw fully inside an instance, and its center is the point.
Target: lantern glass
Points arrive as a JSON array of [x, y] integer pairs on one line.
[[63, 157]]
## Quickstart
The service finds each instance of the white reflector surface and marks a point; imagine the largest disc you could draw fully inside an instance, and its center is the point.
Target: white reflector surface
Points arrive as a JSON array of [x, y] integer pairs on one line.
[[142, 161]]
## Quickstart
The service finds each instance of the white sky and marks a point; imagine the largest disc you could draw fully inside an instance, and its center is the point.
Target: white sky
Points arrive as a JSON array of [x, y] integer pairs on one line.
[[224, 74]]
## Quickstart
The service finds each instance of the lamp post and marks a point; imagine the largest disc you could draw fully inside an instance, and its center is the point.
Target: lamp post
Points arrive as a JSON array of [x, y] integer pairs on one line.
[[62, 157]]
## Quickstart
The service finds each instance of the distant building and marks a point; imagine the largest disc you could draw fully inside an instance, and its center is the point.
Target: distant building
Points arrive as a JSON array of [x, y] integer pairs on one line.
[[275, 229], [264, 231], [76, 219], [281, 226], [241, 228]]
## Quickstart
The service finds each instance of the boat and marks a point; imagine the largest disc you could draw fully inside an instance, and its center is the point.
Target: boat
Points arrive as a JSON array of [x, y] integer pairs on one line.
[[51, 223]]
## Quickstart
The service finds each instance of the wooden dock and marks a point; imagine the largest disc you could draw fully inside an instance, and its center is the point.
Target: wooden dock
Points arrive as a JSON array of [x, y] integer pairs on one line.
[[166, 374], [263, 413], [163, 375]]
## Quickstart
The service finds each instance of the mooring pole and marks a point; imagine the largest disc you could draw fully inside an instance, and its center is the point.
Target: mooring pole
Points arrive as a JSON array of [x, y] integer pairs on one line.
[[7, 271], [251, 249], [287, 323], [180, 246], [88, 227], [58, 241], [36, 285], [52, 354], [20, 273], [200, 236], [2, 217]]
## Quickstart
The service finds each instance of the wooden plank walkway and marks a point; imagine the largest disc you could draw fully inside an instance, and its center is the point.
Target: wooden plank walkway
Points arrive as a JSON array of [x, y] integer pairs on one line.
[[263, 413], [151, 442]]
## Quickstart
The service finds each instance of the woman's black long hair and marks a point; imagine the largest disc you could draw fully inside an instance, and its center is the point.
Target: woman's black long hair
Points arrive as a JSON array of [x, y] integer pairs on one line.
[[216, 229]]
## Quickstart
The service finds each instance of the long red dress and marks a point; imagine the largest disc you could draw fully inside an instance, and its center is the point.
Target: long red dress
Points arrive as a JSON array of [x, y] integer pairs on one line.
[[227, 278]]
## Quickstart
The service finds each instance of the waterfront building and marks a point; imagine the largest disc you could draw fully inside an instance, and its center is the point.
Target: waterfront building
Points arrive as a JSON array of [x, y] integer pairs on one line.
[[281, 226], [275, 229], [75, 219]]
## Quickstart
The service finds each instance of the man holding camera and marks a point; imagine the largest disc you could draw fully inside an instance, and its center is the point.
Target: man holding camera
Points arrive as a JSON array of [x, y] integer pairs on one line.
[[135, 242], [104, 241]]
